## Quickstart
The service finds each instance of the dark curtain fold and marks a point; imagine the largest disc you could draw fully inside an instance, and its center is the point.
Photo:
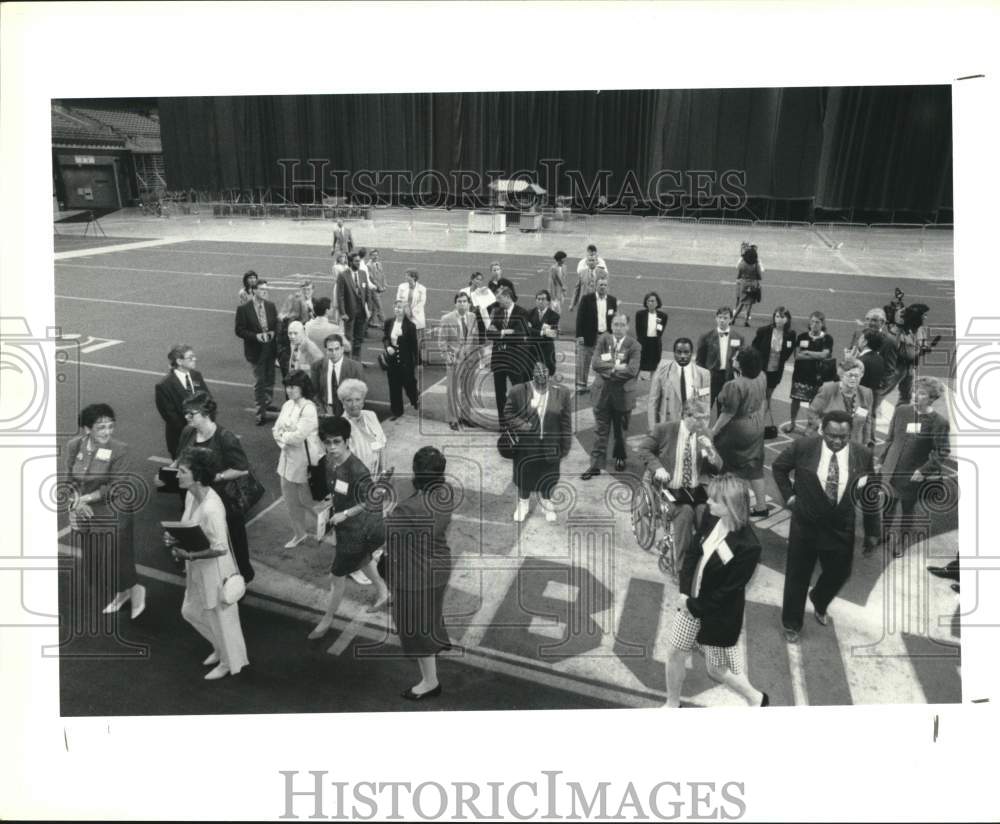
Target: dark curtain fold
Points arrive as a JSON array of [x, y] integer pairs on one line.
[[868, 148]]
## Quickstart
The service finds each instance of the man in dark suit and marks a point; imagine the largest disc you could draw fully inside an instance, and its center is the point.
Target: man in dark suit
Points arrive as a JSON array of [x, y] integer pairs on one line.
[[180, 383], [399, 360], [681, 455], [544, 323], [509, 333], [593, 318], [257, 324], [327, 375], [352, 303], [616, 367], [717, 350], [343, 241], [541, 415], [832, 476]]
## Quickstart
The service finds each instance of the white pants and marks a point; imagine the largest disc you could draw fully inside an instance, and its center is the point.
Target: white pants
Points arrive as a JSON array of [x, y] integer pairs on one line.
[[300, 504], [221, 628]]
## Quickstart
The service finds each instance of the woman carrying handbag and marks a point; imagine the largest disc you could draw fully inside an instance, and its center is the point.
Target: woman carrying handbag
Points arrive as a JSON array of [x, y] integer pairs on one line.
[[294, 432]]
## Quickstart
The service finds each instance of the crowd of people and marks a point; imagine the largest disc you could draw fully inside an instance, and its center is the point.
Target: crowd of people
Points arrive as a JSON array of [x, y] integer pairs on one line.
[[708, 408]]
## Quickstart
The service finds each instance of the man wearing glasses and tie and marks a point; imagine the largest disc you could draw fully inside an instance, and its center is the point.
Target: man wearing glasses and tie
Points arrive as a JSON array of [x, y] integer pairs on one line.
[[179, 384], [460, 332]]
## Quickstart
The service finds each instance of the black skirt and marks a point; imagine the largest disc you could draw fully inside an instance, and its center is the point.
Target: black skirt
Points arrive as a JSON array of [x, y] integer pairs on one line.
[[652, 351]]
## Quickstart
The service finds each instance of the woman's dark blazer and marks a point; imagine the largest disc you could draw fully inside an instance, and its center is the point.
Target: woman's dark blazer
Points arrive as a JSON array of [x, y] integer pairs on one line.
[[639, 330], [720, 602], [406, 346], [762, 343]]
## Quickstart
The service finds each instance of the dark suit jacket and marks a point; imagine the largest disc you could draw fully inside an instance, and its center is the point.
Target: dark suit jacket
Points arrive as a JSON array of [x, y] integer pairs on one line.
[[348, 369], [546, 346], [906, 452], [350, 301], [615, 388], [248, 327], [170, 395], [509, 350], [722, 596], [586, 317], [762, 343], [557, 437], [874, 372], [642, 321], [707, 353], [658, 449], [815, 521], [405, 357]]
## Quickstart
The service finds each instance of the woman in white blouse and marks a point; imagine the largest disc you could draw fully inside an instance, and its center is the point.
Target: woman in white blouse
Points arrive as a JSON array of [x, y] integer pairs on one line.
[[367, 438], [217, 621], [295, 432], [713, 582], [481, 297]]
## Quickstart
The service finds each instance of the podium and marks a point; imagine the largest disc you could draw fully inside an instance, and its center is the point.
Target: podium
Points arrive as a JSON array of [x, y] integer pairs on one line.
[[491, 222]]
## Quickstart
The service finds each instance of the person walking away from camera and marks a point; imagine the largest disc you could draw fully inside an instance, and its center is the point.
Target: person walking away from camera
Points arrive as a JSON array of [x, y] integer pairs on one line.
[[183, 381], [356, 517], [680, 454], [257, 324], [832, 478], [540, 415], [738, 432], [418, 567], [650, 323], [713, 583], [101, 523], [748, 276], [912, 457], [205, 570], [813, 349], [343, 240], [322, 326], [616, 365], [557, 280]]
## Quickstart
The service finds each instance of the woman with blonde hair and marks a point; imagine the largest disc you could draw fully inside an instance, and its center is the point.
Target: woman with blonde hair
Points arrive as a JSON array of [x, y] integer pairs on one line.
[[849, 395], [717, 568]]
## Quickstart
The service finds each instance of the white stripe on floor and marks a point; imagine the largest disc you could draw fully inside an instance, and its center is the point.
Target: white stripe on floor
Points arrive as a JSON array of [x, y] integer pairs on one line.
[[121, 247]]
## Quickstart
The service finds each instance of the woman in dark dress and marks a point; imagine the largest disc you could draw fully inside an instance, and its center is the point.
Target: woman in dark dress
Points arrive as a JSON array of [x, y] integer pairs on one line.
[[914, 449], [738, 432], [650, 321], [775, 344], [748, 274], [356, 518], [812, 348], [418, 565], [203, 431], [100, 518], [400, 359], [717, 568]]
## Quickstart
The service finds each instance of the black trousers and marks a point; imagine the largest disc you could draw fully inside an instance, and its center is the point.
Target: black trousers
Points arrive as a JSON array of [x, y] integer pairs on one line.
[[355, 332], [835, 569], [718, 379], [500, 379], [401, 378]]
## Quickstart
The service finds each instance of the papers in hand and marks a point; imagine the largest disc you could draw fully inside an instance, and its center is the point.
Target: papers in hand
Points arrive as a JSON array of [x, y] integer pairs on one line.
[[323, 524], [189, 535]]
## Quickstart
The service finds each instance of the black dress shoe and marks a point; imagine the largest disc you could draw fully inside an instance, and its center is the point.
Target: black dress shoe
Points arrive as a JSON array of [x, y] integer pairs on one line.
[[619, 464], [590, 473], [410, 695], [765, 701], [955, 588], [260, 419], [944, 572], [453, 426]]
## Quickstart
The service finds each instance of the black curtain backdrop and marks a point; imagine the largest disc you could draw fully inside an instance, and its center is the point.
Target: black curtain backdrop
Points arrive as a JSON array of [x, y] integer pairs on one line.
[[864, 148]]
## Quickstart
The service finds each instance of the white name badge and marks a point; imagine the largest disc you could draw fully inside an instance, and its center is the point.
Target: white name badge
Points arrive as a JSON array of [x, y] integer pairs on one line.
[[861, 413], [705, 390], [911, 428], [734, 341], [103, 454], [659, 327], [606, 356], [803, 344], [724, 552], [862, 482], [340, 487], [788, 344]]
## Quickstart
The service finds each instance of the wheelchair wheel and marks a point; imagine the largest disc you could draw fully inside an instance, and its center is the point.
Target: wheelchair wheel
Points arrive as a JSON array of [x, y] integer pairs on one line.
[[644, 515]]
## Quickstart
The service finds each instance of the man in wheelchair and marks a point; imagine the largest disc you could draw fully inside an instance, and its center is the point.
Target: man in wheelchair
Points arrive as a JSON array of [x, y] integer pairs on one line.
[[680, 455]]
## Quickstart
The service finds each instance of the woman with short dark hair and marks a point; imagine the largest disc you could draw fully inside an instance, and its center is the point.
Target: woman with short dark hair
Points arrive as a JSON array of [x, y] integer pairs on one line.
[[775, 344], [812, 349], [417, 571], [100, 502], [650, 323], [356, 516], [739, 430], [207, 569], [295, 433]]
